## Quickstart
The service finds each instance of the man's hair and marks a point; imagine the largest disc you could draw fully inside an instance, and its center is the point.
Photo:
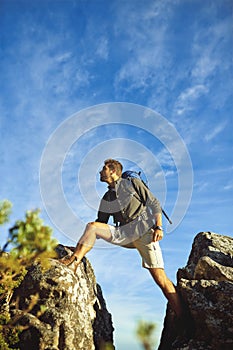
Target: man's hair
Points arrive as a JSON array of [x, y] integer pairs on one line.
[[114, 165]]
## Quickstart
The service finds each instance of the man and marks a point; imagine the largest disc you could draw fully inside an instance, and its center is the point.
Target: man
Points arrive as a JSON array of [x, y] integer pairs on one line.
[[138, 224]]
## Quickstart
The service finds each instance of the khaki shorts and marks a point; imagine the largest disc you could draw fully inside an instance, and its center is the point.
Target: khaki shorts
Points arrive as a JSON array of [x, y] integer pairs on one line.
[[150, 251]]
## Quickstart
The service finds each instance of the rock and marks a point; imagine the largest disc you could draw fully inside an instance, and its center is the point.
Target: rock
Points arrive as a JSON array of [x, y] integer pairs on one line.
[[62, 310], [206, 289]]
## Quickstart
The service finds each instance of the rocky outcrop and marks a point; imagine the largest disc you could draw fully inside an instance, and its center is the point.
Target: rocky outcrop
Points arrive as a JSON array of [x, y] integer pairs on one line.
[[206, 288], [62, 310]]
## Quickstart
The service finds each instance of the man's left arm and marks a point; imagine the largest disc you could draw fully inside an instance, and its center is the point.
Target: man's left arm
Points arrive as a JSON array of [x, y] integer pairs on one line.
[[149, 199], [158, 229]]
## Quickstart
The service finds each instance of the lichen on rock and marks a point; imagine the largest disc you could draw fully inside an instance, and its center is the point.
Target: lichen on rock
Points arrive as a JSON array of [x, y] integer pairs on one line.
[[68, 312]]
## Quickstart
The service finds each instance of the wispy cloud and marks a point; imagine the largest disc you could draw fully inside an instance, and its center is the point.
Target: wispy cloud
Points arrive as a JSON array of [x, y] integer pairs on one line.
[[210, 63], [207, 48], [228, 187], [212, 133], [201, 186], [188, 98], [103, 48], [144, 32]]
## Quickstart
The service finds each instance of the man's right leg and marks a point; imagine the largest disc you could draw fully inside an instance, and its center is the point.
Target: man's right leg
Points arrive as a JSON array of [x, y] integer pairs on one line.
[[87, 241], [168, 289]]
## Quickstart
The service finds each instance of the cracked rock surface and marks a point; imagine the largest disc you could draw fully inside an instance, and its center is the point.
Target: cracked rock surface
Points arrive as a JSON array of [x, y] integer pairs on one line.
[[206, 288], [69, 311]]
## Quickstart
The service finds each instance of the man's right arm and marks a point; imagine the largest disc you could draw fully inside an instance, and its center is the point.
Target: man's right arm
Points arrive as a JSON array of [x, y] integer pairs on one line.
[[103, 214], [102, 217]]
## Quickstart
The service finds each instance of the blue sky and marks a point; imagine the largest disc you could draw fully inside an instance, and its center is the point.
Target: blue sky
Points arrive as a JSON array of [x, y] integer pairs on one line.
[[79, 73]]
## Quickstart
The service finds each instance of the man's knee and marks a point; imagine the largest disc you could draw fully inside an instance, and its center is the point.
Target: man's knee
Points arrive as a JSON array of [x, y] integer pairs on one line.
[[94, 227], [90, 228], [91, 225], [99, 230]]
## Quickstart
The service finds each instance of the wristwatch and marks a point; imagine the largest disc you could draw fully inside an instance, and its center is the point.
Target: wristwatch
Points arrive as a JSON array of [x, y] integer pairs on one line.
[[158, 228]]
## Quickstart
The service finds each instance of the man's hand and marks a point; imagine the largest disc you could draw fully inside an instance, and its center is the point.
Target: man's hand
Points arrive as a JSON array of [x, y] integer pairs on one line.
[[157, 235]]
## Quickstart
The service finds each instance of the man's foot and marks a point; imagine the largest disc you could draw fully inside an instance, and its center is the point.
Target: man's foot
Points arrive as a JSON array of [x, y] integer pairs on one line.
[[69, 259], [184, 325], [72, 248]]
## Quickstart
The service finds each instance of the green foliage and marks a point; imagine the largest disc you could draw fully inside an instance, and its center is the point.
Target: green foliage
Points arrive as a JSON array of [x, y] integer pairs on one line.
[[30, 241], [9, 336], [5, 211], [30, 238], [145, 334]]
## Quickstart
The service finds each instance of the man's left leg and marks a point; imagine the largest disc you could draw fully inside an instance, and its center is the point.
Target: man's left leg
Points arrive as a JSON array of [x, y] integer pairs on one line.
[[87, 241], [167, 288]]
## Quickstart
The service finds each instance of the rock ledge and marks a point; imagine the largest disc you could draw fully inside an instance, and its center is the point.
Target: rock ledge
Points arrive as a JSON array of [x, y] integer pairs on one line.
[[62, 310], [206, 287]]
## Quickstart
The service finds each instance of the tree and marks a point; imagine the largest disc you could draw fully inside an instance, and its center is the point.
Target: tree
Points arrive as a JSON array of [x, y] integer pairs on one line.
[[5, 211], [145, 332], [30, 241]]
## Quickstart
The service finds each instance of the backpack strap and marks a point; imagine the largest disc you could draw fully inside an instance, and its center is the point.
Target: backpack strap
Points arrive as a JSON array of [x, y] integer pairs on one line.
[[136, 195]]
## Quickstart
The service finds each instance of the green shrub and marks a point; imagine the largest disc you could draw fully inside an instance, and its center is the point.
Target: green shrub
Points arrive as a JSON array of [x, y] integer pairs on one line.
[[29, 241]]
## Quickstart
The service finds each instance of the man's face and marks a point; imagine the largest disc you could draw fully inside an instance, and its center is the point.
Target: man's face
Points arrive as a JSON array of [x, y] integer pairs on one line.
[[105, 173]]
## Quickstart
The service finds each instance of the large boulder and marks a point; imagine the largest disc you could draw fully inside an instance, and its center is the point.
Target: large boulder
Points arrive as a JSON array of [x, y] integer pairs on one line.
[[62, 309], [206, 288]]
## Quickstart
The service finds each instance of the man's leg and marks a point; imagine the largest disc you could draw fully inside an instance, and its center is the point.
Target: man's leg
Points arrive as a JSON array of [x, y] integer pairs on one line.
[[168, 289], [152, 260], [87, 241]]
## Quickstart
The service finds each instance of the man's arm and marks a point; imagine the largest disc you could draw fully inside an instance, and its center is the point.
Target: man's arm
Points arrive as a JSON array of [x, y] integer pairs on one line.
[[103, 214], [150, 200], [146, 196], [158, 229]]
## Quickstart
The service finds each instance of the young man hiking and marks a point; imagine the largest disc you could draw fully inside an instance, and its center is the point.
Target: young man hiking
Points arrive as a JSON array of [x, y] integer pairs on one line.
[[138, 224]]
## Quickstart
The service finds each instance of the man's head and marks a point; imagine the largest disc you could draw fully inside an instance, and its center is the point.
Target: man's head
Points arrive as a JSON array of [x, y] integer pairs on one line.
[[111, 171], [114, 165]]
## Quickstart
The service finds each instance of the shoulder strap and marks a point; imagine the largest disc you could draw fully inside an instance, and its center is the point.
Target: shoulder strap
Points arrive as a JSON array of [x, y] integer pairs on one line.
[[136, 194]]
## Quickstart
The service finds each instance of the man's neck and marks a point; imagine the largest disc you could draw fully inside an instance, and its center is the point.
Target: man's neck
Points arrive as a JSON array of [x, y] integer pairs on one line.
[[113, 182]]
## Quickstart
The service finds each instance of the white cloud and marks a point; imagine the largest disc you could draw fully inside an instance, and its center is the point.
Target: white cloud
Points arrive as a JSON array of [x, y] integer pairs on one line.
[[165, 158], [228, 187], [192, 93], [212, 133], [188, 98], [144, 32], [204, 67], [207, 49], [63, 57], [205, 74], [102, 48], [201, 186], [82, 77]]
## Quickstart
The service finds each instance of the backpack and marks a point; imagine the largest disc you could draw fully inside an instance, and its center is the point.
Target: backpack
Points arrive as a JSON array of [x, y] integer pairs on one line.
[[131, 174]]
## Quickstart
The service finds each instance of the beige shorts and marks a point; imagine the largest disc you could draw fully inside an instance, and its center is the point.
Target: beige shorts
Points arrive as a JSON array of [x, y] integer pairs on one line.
[[150, 251]]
